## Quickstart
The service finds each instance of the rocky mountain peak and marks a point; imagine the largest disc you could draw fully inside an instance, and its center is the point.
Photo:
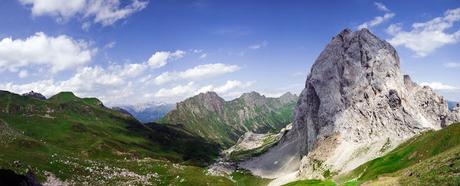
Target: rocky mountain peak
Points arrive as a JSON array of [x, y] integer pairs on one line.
[[288, 97], [355, 97], [208, 96], [35, 95], [210, 100], [211, 117], [251, 95]]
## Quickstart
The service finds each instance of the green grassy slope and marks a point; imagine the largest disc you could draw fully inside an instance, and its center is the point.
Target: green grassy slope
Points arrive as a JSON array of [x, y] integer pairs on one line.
[[423, 157], [226, 121], [81, 141], [312, 183]]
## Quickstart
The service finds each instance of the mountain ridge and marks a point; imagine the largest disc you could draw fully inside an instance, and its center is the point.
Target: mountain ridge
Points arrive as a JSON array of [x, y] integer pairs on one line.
[[210, 116]]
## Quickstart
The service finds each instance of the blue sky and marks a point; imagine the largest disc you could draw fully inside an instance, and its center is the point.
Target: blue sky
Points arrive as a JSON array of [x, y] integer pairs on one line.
[[164, 51]]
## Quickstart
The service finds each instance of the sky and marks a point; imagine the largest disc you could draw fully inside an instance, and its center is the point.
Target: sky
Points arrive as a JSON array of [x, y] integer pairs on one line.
[[163, 51]]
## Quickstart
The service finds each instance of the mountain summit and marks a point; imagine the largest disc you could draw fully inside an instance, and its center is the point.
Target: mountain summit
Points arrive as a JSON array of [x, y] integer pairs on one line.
[[211, 117], [356, 105]]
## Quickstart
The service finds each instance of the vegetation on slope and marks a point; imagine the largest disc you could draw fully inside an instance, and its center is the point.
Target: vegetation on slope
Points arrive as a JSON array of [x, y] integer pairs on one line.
[[209, 116], [312, 183], [421, 158], [430, 158], [81, 141]]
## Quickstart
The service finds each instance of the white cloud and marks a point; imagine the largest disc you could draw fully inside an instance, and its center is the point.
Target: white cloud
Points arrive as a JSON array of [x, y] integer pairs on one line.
[[59, 53], [381, 6], [378, 19], [208, 70], [61, 9], [129, 70], [258, 45], [123, 84], [225, 88], [439, 86], [177, 91], [23, 74], [104, 12], [452, 65], [393, 29], [90, 79], [159, 59], [428, 36], [108, 12], [195, 73], [230, 89], [112, 84], [204, 55], [197, 51], [46, 87]]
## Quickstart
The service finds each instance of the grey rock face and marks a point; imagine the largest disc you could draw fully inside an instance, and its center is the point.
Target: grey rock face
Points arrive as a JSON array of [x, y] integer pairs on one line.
[[355, 98], [35, 95]]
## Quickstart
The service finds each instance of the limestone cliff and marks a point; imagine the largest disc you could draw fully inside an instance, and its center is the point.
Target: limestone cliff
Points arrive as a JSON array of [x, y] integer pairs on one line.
[[356, 105]]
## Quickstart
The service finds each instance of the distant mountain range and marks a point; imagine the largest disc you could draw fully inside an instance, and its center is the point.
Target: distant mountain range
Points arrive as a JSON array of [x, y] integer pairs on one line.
[[148, 112], [209, 116]]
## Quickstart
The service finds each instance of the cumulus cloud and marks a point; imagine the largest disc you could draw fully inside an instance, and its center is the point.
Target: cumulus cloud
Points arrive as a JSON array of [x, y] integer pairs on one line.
[[378, 19], [46, 87], [230, 89], [104, 12], [439, 86], [177, 91], [112, 84], [59, 53], [428, 36], [195, 73], [161, 58], [258, 45], [225, 88]]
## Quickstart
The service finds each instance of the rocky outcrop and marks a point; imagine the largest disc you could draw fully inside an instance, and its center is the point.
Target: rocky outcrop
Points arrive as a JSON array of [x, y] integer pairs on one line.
[[356, 105], [35, 95], [251, 144], [211, 117]]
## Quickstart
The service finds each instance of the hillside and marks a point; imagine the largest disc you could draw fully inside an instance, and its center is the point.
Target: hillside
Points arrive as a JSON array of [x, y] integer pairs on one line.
[[211, 117], [430, 158], [67, 139]]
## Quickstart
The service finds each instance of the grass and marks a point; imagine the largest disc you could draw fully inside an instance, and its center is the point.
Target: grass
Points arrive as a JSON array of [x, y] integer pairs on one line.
[[312, 183], [414, 151], [80, 141], [442, 169]]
